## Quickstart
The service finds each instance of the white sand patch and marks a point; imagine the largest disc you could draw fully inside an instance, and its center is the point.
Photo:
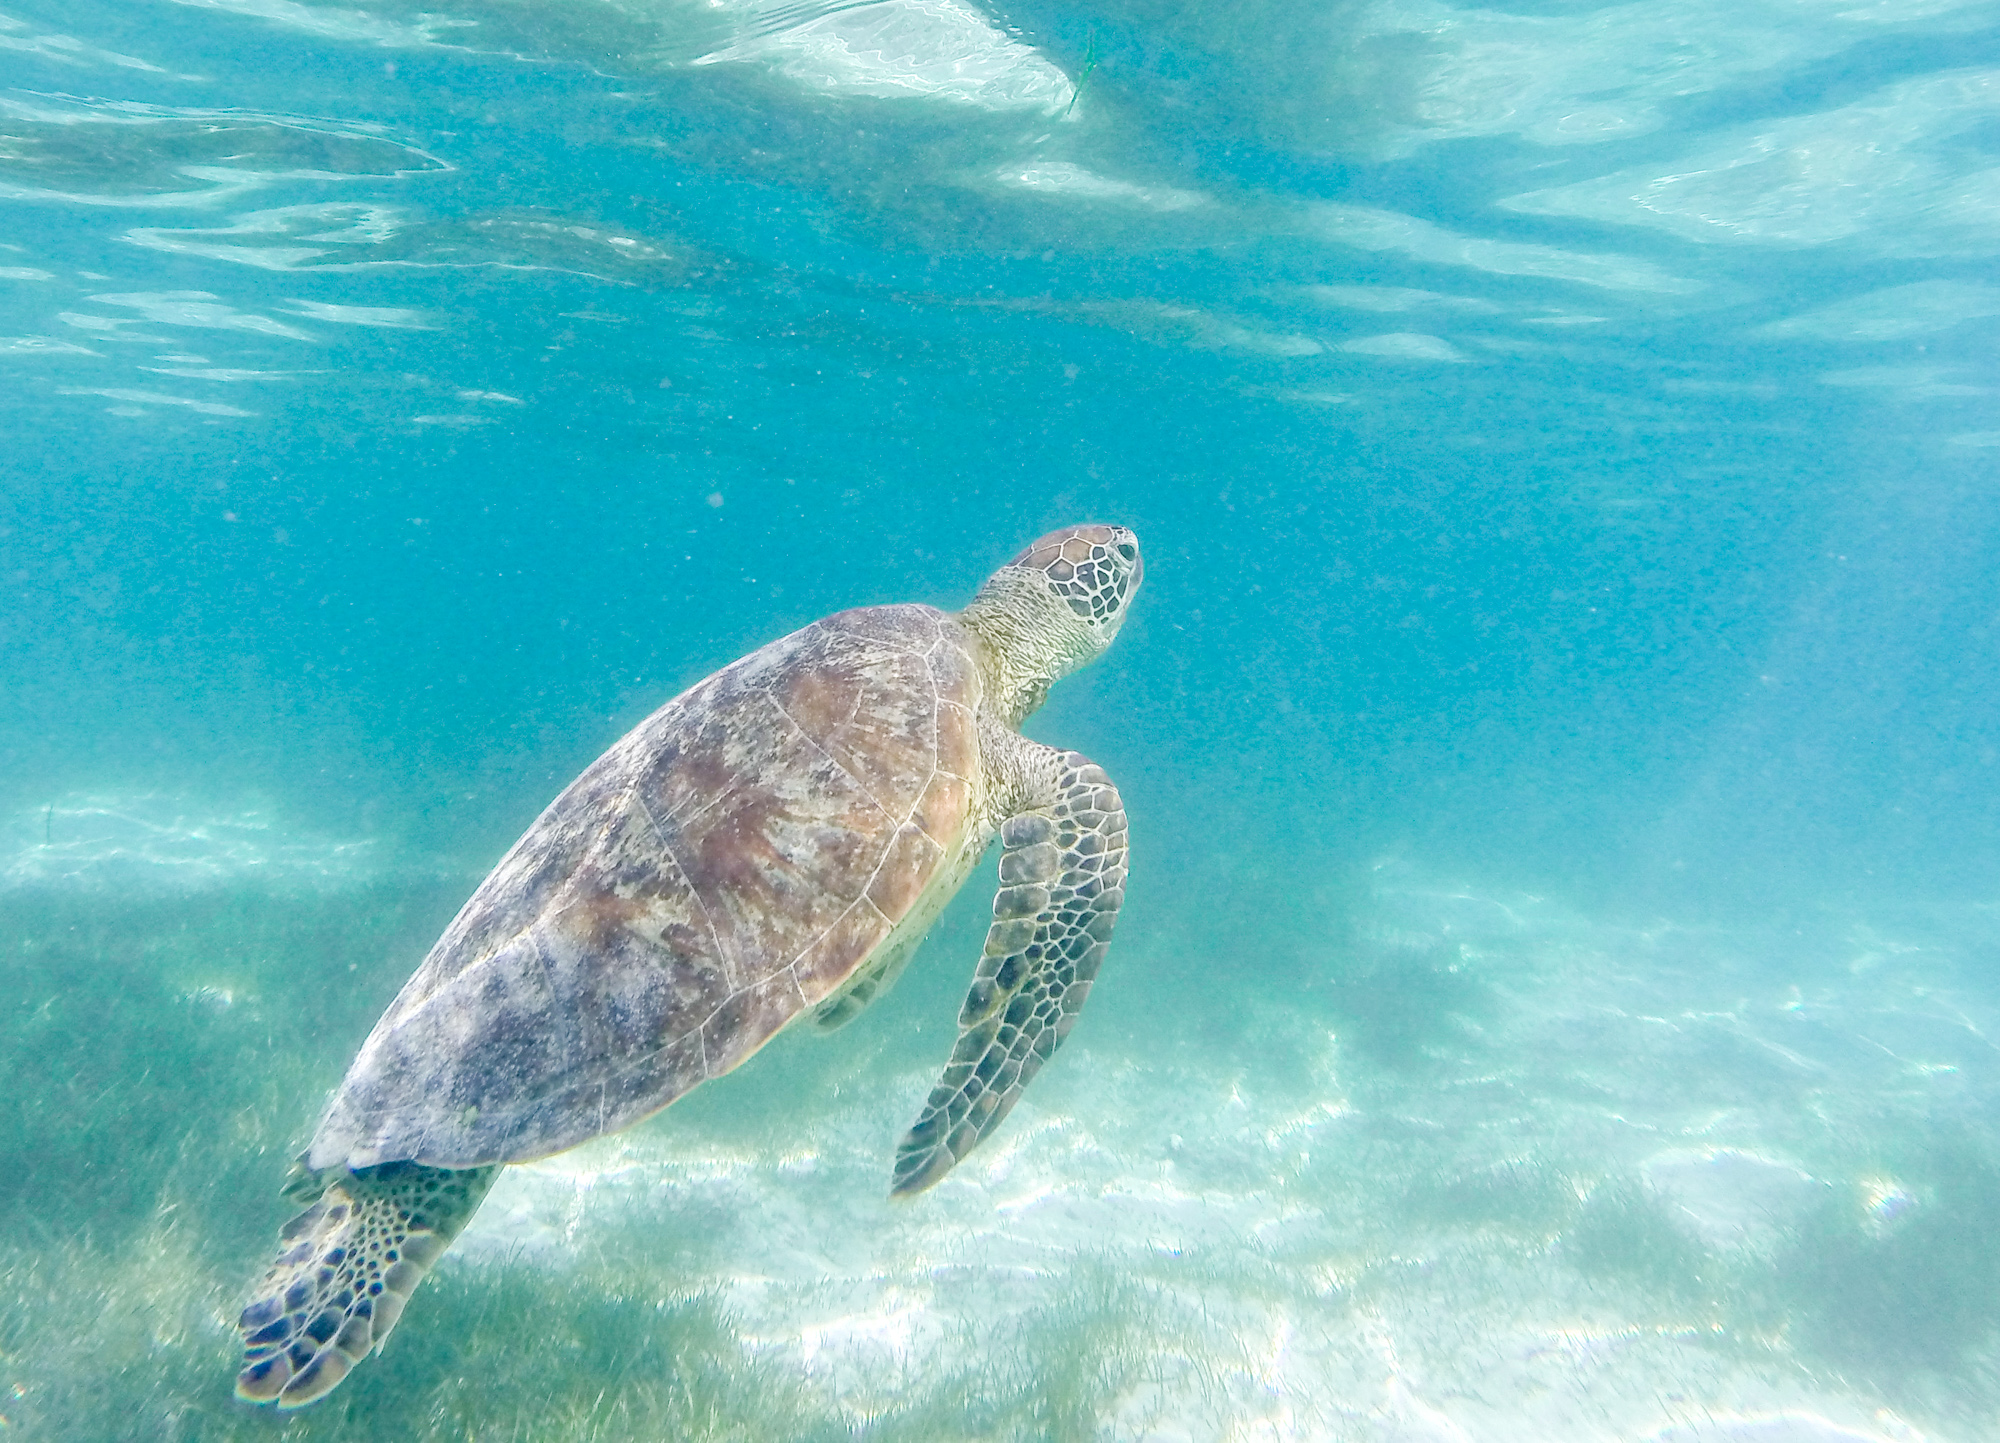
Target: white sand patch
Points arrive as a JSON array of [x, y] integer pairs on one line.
[[1731, 1199], [1175, 1220], [151, 843]]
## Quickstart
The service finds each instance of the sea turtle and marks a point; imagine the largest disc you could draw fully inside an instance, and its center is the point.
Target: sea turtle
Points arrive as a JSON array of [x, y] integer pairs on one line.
[[770, 844]]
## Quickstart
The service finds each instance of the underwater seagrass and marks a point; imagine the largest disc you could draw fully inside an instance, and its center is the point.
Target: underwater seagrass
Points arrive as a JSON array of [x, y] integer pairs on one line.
[[773, 842]]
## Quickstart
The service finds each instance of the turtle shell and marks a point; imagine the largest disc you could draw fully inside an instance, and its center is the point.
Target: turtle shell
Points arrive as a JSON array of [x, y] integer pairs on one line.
[[730, 862]]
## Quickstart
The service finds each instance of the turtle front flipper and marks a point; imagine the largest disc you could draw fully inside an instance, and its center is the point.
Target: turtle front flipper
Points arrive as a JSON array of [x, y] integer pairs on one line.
[[349, 1265], [1062, 877]]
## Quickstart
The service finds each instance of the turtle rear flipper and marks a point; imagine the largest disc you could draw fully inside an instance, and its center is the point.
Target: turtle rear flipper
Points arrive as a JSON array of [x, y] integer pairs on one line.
[[348, 1266]]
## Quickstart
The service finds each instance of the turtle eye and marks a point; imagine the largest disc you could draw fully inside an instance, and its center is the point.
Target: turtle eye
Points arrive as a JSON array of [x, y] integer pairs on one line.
[[1127, 550]]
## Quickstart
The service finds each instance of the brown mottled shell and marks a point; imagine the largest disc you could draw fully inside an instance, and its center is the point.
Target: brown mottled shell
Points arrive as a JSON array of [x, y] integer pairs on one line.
[[730, 862]]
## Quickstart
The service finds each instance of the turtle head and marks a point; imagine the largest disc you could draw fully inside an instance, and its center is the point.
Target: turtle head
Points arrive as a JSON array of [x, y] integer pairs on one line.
[[1093, 571], [1056, 607]]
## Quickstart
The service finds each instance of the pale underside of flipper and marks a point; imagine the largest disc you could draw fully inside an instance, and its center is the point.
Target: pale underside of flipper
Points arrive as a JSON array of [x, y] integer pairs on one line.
[[875, 977], [348, 1266], [878, 973], [1062, 878]]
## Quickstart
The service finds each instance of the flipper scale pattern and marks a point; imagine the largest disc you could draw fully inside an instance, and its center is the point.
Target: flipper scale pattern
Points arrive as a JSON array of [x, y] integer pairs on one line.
[[1062, 878], [346, 1269]]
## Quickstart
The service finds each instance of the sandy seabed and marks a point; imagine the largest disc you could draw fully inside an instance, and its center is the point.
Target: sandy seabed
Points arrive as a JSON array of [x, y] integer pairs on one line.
[[1492, 1171]]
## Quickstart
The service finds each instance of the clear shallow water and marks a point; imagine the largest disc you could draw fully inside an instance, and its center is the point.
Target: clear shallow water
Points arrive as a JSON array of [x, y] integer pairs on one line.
[[1558, 726]]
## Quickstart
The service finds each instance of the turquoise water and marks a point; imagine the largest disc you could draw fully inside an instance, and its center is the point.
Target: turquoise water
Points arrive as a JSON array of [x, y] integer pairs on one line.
[[1554, 992]]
